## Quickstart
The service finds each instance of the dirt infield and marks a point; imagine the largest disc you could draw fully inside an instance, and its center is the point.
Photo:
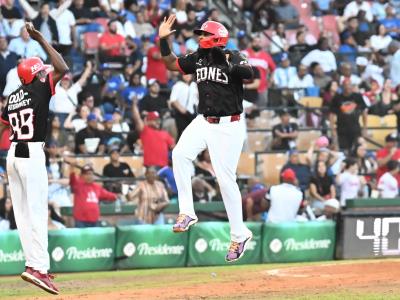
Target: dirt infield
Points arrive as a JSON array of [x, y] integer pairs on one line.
[[377, 279]]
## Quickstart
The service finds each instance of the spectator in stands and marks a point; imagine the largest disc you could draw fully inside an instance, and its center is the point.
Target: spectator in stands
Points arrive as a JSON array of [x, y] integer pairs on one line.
[[65, 99], [322, 7], [254, 203], [284, 72], [25, 46], [166, 174], [388, 186], [378, 9], [283, 208], [116, 169], [153, 100], [250, 87], [183, 100], [320, 79], [87, 195], [287, 14], [330, 211], [96, 83], [347, 76], [302, 171], [111, 139], [380, 40], [155, 66], [59, 194], [348, 47], [90, 139], [55, 222], [389, 152], [301, 79], [345, 111], [8, 60], [112, 45], [263, 61], [65, 21], [262, 19], [204, 168], [77, 119], [352, 9], [381, 98], [156, 143], [185, 29], [57, 134], [279, 43], [350, 183], [330, 91], [394, 50], [322, 55], [322, 186], [367, 68], [46, 24], [299, 48], [201, 9], [203, 192], [134, 89], [84, 19], [152, 198], [9, 11], [284, 134], [7, 219], [367, 164], [391, 22], [142, 27], [120, 124]]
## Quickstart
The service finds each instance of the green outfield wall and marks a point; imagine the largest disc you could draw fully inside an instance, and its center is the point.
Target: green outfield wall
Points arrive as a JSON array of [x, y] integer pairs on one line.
[[155, 246]]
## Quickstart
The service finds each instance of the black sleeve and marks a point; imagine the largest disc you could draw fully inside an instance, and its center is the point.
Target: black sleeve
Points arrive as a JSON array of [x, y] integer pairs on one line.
[[80, 138], [240, 66], [187, 63], [360, 102], [256, 73], [334, 107], [105, 171], [295, 127]]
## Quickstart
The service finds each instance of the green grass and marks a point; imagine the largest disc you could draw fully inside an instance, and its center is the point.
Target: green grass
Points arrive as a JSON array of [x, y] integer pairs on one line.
[[79, 284]]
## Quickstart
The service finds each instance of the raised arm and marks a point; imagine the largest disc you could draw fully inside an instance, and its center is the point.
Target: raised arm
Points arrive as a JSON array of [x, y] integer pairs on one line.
[[164, 32], [60, 66], [137, 119]]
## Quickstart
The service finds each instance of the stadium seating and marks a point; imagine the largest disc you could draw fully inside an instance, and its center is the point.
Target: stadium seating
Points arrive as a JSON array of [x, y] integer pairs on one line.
[[90, 43]]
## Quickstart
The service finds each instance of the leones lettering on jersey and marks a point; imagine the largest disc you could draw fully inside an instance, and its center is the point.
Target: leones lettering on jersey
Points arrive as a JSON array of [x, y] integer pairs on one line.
[[212, 74]]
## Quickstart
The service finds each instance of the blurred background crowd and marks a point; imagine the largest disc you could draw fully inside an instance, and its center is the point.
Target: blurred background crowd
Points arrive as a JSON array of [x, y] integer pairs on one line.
[[323, 106]]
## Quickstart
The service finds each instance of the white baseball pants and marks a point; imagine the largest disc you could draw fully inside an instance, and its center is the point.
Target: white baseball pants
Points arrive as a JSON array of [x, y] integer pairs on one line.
[[29, 187], [224, 142]]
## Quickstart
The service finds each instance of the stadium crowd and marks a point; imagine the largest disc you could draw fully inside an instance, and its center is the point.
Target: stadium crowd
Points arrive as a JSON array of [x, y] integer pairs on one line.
[[120, 100]]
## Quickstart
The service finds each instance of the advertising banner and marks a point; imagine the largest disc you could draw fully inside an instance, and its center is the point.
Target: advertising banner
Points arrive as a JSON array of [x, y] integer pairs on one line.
[[150, 246], [294, 241], [12, 259], [369, 236], [76, 249], [209, 243]]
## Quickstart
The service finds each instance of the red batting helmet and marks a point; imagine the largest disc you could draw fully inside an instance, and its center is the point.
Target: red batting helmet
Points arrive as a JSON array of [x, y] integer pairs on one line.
[[218, 34], [29, 67]]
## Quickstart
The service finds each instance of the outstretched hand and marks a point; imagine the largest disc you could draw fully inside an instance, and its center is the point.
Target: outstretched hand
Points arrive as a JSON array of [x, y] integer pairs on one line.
[[165, 27], [34, 34]]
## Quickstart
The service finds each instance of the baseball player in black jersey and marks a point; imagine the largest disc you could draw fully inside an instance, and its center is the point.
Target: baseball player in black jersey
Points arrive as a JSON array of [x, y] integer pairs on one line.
[[219, 75], [26, 115]]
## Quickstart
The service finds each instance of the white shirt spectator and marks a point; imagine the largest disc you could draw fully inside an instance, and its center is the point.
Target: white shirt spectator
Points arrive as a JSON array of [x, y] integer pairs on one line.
[[64, 20], [65, 101], [278, 44], [12, 82], [350, 185], [4, 225], [297, 82], [27, 49], [186, 95], [120, 127], [16, 26], [388, 186], [325, 58], [354, 79], [352, 9], [78, 124], [379, 42], [285, 202], [112, 5], [395, 69], [283, 75], [126, 29]]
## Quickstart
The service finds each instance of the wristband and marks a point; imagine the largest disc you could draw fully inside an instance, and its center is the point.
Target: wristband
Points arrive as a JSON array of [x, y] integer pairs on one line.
[[164, 47]]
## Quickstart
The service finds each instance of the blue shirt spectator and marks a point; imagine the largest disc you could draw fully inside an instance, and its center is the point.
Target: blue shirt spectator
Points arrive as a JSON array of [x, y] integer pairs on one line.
[[167, 176]]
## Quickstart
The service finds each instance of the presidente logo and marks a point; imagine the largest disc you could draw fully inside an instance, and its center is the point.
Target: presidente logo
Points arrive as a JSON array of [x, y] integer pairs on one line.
[[276, 245], [11, 257], [145, 249], [216, 245], [73, 253]]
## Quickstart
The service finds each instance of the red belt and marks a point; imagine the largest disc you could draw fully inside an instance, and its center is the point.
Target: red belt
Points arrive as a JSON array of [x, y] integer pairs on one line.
[[216, 120]]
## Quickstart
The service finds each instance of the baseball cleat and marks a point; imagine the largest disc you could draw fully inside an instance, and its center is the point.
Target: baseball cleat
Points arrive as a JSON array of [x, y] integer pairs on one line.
[[183, 222], [43, 281], [237, 249]]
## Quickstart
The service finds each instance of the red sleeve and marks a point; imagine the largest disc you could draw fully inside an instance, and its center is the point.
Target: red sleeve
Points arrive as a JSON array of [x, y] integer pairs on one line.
[[102, 39], [4, 121], [380, 153], [271, 63], [73, 180], [106, 195], [170, 140]]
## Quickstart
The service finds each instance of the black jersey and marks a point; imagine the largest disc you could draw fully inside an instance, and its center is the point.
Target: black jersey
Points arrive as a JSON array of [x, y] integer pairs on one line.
[[27, 110], [220, 92]]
